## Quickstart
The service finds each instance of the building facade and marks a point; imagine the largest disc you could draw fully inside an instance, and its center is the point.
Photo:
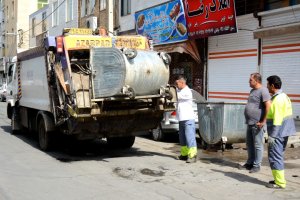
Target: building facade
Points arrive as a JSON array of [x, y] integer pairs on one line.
[[15, 28], [94, 14], [52, 19]]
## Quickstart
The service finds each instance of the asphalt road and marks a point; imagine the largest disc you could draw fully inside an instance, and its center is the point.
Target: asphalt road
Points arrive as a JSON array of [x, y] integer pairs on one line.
[[89, 170]]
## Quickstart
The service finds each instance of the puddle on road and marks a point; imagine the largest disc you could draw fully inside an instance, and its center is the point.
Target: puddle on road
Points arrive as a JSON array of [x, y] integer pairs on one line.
[[127, 173], [151, 172], [237, 155]]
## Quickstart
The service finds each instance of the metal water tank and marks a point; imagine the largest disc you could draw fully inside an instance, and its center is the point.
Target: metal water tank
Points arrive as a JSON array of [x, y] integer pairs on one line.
[[145, 72], [222, 121]]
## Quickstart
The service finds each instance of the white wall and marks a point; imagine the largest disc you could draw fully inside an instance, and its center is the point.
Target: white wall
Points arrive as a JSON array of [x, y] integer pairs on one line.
[[38, 15], [127, 22]]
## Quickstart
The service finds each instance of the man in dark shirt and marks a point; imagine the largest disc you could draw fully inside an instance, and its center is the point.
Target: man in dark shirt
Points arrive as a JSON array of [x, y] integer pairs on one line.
[[256, 111]]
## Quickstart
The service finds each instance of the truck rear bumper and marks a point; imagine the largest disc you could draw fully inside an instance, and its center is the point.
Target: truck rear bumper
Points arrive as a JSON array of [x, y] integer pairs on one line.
[[115, 126]]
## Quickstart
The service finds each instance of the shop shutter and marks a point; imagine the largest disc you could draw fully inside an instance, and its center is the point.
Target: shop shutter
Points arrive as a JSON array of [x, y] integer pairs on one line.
[[231, 60], [281, 56]]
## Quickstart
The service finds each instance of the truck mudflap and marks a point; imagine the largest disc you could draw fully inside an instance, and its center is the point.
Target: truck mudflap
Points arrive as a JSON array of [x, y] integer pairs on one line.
[[115, 126]]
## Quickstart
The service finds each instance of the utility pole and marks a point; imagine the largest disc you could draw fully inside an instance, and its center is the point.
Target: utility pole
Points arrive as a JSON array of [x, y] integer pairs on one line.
[[110, 17]]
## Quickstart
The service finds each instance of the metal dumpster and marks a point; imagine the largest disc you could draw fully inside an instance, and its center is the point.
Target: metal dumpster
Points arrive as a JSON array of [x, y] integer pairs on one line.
[[221, 122]]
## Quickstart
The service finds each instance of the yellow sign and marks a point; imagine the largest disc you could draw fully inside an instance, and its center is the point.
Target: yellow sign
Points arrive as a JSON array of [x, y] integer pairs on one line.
[[85, 42], [78, 31], [132, 42]]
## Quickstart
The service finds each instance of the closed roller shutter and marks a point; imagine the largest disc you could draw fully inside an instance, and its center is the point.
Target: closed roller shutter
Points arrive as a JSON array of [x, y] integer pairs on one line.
[[231, 60], [281, 56]]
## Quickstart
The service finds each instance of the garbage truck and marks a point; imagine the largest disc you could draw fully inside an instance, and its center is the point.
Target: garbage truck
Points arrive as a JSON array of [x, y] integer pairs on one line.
[[89, 86]]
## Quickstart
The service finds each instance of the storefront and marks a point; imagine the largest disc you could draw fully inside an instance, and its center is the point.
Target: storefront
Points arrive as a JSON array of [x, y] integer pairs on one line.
[[231, 59], [280, 37], [269, 44], [186, 61]]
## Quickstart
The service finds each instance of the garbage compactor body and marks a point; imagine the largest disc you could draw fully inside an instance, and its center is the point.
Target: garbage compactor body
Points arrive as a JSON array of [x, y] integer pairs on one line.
[[222, 122]]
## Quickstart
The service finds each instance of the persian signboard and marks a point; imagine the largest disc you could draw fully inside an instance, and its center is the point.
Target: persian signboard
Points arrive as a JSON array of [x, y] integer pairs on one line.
[[210, 17], [163, 24]]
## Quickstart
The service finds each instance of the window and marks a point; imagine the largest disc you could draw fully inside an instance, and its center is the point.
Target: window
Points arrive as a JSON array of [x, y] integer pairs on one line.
[[44, 25], [92, 4], [55, 14], [33, 27], [13, 9], [125, 7], [102, 4], [69, 10]]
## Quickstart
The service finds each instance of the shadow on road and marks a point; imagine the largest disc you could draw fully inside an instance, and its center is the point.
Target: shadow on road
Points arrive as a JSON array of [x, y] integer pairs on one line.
[[241, 177], [68, 149], [6, 129]]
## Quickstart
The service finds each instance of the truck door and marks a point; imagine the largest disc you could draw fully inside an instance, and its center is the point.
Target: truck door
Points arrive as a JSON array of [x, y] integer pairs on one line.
[[12, 89]]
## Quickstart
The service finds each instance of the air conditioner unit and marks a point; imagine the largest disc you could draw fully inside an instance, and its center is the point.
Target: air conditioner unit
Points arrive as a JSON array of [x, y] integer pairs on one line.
[[91, 23]]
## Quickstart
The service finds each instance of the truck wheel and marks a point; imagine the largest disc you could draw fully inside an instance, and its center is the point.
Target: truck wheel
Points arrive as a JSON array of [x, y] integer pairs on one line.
[[121, 142], [157, 134], [44, 139]]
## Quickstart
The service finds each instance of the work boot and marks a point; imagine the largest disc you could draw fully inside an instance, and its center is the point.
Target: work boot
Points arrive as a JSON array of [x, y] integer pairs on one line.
[[254, 170], [181, 157], [246, 166], [274, 186], [191, 160]]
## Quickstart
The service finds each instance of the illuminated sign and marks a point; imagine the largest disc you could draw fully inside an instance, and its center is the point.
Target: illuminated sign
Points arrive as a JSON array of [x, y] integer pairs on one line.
[[210, 17]]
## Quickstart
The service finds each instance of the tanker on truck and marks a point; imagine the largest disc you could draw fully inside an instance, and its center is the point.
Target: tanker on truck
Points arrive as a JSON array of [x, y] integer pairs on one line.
[[89, 86]]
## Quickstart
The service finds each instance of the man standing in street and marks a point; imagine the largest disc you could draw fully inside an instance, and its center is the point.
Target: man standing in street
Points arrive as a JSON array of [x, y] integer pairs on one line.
[[281, 125], [186, 118], [256, 111]]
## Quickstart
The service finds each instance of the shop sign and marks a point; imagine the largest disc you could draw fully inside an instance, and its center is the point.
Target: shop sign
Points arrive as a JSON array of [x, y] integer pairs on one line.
[[163, 24], [210, 17], [133, 42]]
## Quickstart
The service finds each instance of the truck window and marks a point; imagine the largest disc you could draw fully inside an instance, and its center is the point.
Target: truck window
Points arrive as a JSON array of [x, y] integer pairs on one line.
[[10, 73]]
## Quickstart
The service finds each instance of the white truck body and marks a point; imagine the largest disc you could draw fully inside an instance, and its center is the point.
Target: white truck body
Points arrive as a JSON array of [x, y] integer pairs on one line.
[[35, 89]]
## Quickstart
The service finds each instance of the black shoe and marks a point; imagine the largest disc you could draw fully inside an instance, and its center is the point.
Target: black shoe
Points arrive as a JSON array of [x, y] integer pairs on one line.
[[181, 157], [246, 166], [192, 160], [254, 170], [272, 182], [273, 186]]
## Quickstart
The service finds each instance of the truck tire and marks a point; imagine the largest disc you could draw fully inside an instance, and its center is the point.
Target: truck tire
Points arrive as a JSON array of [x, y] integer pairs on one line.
[[157, 134], [44, 138], [121, 142]]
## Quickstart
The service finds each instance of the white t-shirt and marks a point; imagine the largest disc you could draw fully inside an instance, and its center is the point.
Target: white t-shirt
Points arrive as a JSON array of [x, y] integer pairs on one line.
[[185, 104]]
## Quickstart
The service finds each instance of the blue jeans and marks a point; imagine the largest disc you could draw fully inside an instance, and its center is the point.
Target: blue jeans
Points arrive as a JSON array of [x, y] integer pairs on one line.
[[255, 145], [187, 135]]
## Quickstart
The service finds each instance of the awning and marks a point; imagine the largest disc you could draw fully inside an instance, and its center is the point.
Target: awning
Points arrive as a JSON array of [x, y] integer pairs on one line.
[[188, 47], [277, 30]]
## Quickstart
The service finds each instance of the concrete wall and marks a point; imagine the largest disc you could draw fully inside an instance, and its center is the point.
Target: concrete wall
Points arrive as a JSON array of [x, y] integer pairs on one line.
[[24, 9]]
